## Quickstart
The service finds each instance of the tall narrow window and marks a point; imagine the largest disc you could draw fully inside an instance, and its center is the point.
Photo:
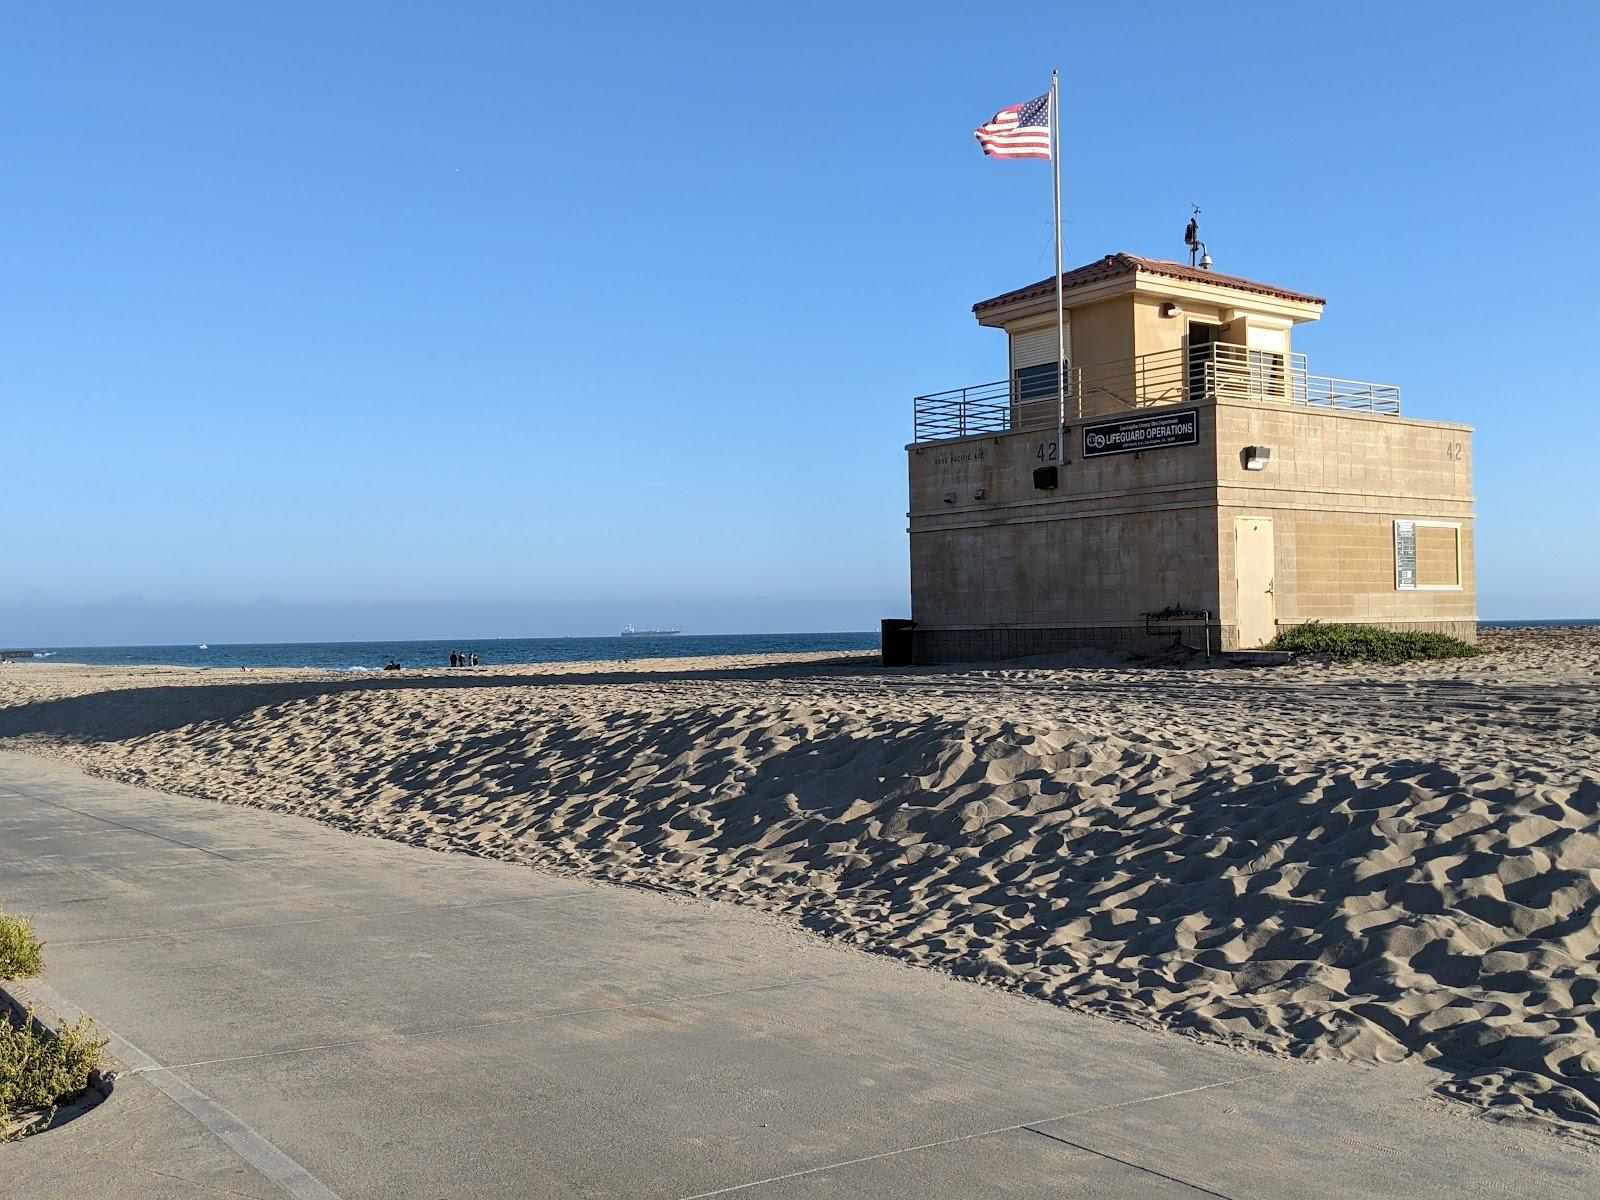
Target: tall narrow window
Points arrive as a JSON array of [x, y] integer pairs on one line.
[[1202, 365]]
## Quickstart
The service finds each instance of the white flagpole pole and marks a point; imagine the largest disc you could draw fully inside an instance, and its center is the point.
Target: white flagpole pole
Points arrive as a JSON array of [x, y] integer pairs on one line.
[[1061, 327]]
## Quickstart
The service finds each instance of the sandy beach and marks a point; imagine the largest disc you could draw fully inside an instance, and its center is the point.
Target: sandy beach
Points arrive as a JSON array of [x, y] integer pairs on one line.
[[1356, 862]]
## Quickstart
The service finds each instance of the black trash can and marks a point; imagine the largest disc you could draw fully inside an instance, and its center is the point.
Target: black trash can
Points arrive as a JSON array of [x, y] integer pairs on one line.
[[897, 642]]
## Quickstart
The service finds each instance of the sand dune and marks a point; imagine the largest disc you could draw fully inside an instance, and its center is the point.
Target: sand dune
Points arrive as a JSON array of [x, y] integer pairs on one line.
[[1364, 863]]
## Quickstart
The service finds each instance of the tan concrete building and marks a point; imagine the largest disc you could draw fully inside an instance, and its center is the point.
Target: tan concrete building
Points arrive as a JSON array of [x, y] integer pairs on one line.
[[1211, 489]]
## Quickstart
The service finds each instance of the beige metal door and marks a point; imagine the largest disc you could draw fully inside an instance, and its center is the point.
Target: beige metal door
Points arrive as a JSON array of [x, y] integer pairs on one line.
[[1253, 569]]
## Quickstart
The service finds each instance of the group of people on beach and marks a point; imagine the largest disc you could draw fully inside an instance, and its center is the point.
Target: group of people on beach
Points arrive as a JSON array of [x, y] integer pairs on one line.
[[458, 659]]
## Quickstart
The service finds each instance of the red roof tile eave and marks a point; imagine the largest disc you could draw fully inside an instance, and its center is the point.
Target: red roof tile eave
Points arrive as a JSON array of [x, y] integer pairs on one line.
[[1114, 266]]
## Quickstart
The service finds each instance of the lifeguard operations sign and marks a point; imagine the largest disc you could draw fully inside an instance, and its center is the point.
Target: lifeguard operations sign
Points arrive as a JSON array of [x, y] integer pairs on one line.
[[1141, 433]]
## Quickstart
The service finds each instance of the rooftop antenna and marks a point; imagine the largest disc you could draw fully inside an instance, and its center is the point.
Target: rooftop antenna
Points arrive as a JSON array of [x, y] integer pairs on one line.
[[1199, 256]]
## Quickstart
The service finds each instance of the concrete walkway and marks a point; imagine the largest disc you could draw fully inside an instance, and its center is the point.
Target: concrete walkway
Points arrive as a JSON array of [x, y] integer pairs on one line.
[[306, 1012]]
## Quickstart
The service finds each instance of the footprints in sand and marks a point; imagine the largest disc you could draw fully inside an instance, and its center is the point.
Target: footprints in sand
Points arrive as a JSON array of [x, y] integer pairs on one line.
[[1320, 861]]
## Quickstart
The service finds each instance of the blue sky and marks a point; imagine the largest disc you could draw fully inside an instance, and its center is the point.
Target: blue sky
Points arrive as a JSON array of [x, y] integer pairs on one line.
[[328, 320]]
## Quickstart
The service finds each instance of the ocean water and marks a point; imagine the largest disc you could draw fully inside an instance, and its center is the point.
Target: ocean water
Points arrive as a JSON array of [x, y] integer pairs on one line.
[[1573, 623], [371, 656]]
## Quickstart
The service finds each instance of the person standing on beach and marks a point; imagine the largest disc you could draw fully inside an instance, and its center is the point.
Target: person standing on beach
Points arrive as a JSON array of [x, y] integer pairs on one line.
[[474, 658], [455, 659]]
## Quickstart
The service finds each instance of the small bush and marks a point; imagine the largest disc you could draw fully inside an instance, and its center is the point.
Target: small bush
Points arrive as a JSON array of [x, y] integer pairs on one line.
[[1350, 643], [20, 951], [38, 1071]]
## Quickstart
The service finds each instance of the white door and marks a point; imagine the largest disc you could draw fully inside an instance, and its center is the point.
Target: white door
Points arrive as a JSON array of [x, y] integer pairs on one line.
[[1253, 569]]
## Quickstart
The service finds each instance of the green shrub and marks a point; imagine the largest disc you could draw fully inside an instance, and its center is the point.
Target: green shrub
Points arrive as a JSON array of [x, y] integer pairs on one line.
[[38, 1071], [1349, 643], [20, 951]]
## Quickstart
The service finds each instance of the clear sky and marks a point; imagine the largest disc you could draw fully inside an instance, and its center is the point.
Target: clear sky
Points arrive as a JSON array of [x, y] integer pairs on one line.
[[330, 319]]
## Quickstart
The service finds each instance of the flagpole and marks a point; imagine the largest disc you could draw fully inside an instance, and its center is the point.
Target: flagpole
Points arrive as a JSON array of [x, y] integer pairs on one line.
[[1061, 327]]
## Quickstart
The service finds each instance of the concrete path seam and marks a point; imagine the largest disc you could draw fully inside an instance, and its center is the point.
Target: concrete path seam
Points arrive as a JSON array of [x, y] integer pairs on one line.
[[249, 1145], [184, 1179], [1023, 1126], [1203, 1190], [120, 824]]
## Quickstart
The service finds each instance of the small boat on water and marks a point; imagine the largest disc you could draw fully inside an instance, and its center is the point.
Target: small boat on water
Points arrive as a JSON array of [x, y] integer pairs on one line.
[[630, 631]]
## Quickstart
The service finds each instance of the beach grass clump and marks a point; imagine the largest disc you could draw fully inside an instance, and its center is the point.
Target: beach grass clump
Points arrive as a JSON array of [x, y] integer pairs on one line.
[[1368, 643], [21, 953], [38, 1070]]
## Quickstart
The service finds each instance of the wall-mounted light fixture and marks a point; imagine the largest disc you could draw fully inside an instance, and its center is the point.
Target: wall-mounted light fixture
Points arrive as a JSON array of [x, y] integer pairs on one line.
[[1256, 458], [1171, 308]]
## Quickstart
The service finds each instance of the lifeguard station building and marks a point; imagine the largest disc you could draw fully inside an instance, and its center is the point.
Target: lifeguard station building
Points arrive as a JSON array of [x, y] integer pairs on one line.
[[1209, 488]]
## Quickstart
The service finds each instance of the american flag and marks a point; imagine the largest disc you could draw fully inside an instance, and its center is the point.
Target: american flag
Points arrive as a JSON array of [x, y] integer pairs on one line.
[[1021, 131]]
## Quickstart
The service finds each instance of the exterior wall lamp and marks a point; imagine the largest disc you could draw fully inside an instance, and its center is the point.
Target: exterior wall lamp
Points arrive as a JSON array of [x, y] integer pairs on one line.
[[1171, 308], [1256, 458]]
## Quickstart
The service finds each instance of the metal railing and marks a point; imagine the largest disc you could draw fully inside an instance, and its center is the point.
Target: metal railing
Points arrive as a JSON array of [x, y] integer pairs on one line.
[[964, 412], [1218, 371], [1239, 373]]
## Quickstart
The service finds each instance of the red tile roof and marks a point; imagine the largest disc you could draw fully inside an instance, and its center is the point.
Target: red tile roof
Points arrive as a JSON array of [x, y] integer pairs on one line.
[[1114, 265]]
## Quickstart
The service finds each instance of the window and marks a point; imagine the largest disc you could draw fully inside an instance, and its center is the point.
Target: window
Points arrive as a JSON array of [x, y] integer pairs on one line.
[[1033, 363], [1035, 383], [1202, 360]]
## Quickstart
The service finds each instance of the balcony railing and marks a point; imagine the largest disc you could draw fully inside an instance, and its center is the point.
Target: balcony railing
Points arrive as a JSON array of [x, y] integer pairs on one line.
[[1217, 371], [965, 412]]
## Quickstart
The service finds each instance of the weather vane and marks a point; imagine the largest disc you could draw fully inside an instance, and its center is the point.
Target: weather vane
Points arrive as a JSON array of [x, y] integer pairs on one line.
[[1191, 239]]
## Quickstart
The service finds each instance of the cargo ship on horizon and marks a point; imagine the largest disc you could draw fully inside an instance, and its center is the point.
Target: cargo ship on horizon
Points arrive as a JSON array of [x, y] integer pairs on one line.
[[630, 631]]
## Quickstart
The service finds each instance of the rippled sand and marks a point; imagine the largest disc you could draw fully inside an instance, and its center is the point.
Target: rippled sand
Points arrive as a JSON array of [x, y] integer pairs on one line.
[[1354, 862]]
